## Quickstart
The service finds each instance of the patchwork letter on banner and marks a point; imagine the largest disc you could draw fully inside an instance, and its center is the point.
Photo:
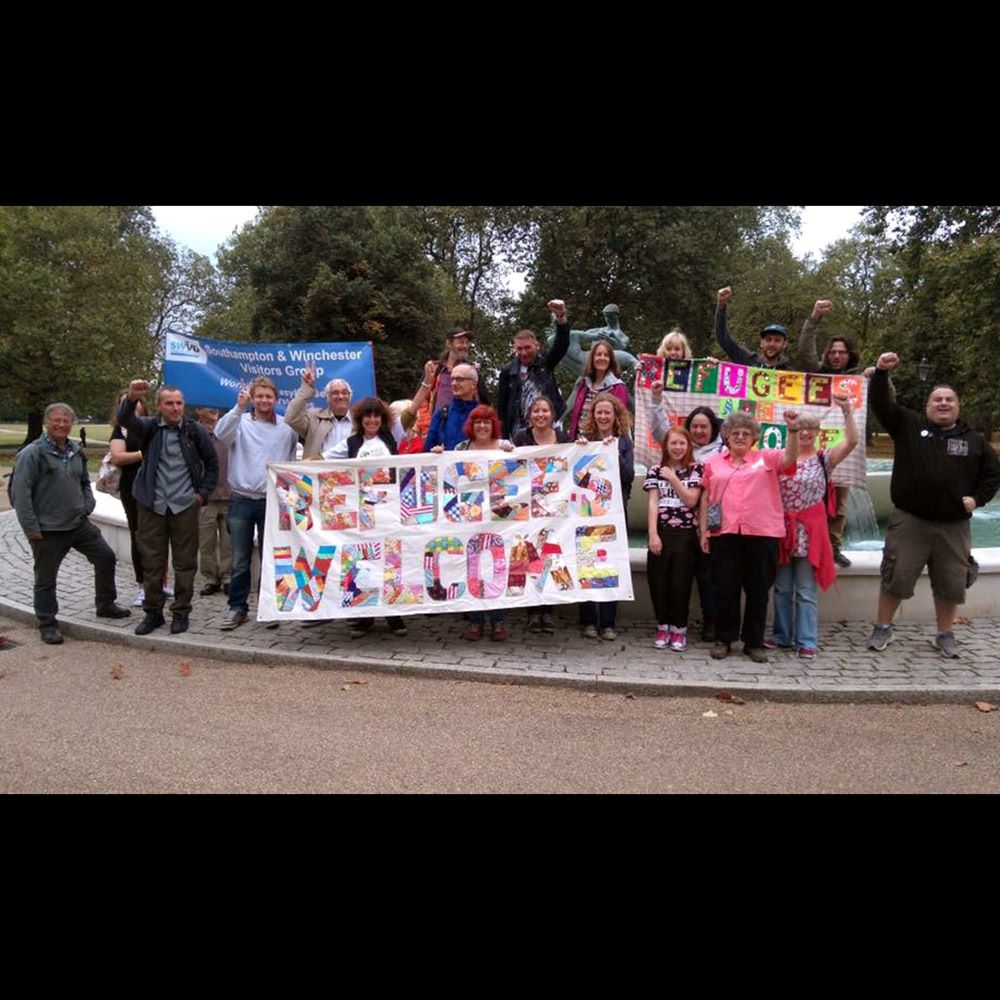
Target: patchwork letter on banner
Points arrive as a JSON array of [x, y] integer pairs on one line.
[[503, 530], [727, 388]]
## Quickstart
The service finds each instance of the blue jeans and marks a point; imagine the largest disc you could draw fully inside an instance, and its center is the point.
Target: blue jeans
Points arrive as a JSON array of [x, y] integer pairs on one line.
[[244, 516], [796, 580], [598, 613]]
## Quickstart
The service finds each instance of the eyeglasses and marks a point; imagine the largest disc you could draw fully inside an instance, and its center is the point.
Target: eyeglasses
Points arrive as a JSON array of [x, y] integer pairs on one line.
[[462, 378], [741, 434]]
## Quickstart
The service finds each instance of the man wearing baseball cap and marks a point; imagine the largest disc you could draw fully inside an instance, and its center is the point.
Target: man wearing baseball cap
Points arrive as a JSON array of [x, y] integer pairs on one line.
[[773, 340]]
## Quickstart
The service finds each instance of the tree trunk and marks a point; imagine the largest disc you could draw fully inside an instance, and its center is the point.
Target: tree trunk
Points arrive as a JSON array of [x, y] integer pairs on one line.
[[34, 427]]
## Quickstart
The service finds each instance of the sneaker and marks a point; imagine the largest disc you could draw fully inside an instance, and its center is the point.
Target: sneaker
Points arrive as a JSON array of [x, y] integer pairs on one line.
[[51, 635], [359, 629], [880, 638], [720, 651], [609, 634], [662, 639], [209, 589], [397, 627], [756, 653], [945, 643], [590, 631], [499, 632], [548, 624], [771, 644], [840, 559], [178, 624], [679, 640], [534, 623], [807, 653], [235, 620], [139, 598], [113, 611], [168, 591], [474, 633], [150, 622]]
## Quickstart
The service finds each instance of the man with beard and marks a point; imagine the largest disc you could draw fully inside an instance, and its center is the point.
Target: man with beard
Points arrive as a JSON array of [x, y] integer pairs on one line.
[[773, 340]]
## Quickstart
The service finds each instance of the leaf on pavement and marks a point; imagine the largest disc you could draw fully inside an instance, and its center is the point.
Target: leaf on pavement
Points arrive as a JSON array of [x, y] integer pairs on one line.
[[357, 681], [709, 714], [630, 697], [728, 711], [185, 669], [733, 699], [117, 672], [963, 621], [961, 763], [986, 706]]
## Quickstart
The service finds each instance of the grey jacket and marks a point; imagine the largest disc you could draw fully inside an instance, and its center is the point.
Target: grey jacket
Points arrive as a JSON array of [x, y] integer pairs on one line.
[[51, 488]]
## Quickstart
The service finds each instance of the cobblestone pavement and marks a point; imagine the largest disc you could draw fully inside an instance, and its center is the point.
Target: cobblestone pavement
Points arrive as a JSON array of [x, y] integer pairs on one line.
[[844, 670]]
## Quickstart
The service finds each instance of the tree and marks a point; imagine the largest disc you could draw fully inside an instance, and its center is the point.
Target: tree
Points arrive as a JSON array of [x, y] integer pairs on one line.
[[661, 264], [946, 261], [188, 288], [77, 286], [335, 273]]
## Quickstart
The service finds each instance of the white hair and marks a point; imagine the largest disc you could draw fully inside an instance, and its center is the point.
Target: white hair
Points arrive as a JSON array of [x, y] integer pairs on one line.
[[339, 381]]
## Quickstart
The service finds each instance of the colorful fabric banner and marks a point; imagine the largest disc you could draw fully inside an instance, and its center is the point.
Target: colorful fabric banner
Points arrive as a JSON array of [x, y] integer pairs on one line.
[[764, 393], [210, 372], [460, 531]]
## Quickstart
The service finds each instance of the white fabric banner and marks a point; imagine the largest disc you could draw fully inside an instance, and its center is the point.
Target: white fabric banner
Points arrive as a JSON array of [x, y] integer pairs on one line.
[[460, 531]]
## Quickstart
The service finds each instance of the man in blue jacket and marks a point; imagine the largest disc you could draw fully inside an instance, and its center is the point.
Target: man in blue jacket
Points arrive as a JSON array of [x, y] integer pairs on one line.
[[53, 500], [179, 470]]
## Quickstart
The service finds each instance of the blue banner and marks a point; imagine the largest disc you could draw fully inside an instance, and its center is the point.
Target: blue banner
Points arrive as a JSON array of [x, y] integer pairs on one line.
[[210, 372]]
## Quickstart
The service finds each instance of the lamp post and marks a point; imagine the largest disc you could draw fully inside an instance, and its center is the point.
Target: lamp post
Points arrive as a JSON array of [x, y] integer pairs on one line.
[[923, 368]]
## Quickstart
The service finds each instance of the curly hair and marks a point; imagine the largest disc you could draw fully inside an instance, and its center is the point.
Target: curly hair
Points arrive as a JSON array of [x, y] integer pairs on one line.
[[362, 408], [742, 421], [623, 419]]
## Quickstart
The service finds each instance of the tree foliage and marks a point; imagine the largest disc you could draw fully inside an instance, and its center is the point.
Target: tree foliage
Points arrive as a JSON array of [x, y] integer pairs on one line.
[[660, 264], [945, 262], [77, 289], [335, 273]]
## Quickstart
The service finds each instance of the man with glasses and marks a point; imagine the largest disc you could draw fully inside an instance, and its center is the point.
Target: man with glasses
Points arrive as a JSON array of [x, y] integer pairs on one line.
[[448, 423], [321, 428]]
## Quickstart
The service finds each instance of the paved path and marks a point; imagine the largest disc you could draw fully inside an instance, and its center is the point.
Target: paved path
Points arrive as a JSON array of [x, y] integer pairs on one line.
[[844, 670]]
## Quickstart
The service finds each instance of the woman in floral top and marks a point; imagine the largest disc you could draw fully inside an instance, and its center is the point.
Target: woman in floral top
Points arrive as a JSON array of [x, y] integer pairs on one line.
[[805, 556], [674, 488]]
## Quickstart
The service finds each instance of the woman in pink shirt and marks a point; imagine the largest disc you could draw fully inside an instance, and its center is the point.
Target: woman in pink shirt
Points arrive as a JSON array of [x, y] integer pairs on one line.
[[744, 546]]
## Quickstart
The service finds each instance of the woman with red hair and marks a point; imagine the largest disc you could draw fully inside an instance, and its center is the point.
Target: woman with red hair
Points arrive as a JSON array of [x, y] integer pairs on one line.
[[482, 432]]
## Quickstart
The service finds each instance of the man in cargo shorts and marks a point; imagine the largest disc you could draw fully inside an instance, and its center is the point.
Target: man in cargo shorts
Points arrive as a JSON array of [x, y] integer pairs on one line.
[[943, 470]]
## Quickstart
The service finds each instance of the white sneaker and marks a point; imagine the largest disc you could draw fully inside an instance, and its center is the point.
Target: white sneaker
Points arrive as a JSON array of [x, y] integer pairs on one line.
[[139, 598], [662, 639], [679, 640], [168, 591]]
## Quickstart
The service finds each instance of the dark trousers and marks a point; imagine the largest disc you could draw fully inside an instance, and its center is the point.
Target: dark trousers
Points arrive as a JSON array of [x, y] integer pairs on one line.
[[49, 553], [132, 517], [706, 593], [599, 613], [157, 534], [670, 573], [746, 563]]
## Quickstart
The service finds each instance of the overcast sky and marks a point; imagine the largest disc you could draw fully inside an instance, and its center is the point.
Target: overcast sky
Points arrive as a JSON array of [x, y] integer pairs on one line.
[[204, 227]]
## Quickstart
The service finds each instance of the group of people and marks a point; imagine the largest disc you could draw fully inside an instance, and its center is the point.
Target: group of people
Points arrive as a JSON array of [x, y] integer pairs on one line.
[[737, 519]]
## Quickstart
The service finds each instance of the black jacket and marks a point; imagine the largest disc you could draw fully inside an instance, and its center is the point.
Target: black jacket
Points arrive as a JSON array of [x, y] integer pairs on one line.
[[196, 446], [541, 372], [740, 354], [934, 468]]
